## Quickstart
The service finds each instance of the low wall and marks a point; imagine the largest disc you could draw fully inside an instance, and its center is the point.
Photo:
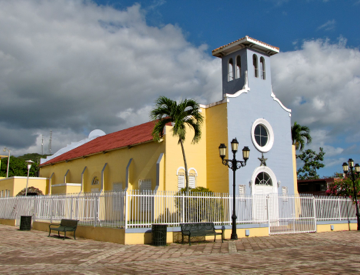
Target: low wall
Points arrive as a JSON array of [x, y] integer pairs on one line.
[[144, 236], [335, 226], [103, 234], [7, 222]]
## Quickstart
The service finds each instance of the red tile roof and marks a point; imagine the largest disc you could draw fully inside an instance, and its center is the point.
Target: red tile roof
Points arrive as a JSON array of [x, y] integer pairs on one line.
[[124, 138]]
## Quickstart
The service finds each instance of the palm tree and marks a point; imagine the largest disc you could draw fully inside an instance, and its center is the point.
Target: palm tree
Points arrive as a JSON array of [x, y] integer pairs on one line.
[[299, 135], [186, 113]]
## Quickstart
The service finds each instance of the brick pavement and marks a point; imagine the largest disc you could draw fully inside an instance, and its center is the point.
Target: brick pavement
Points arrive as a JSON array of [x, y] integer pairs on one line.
[[32, 252]]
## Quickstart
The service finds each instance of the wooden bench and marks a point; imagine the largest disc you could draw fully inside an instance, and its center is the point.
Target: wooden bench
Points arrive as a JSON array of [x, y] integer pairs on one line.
[[200, 229], [64, 226]]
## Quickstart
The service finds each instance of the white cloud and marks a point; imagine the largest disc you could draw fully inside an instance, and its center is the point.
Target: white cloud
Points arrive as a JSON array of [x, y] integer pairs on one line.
[[320, 83], [328, 26], [72, 66]]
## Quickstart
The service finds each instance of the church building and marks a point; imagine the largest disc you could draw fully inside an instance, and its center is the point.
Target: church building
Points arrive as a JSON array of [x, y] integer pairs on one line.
[[248, 110]]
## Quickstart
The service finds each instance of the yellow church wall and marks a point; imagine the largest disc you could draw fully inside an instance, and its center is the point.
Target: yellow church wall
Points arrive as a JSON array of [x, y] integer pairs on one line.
[[195, 157], [58, 190], [10, 222], [337, 227], [143, 167], [102, 234], [16, 184], [217, 174]]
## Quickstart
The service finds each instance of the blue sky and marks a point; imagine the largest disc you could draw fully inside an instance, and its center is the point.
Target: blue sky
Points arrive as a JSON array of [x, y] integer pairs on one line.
[[278, 22], [71, 66]]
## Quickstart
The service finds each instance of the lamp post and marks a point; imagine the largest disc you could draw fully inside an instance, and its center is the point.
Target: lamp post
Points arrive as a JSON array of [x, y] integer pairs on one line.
[[7, 170], [29, 162], [234, 165], [357, 171]]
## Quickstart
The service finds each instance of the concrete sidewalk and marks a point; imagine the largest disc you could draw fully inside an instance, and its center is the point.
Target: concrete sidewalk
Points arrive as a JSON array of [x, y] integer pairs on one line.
[[32, 252]]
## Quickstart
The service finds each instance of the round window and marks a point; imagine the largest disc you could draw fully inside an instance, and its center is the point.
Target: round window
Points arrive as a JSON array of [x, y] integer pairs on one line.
[[263, 179], [262, 135]]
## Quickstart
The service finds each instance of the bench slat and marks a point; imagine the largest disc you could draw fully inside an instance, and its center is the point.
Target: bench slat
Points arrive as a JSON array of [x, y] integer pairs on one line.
[[199, 229], [65, 225]]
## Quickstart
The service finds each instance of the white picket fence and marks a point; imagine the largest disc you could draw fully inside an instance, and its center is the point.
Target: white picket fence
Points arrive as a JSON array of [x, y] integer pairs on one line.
[[135, 209]]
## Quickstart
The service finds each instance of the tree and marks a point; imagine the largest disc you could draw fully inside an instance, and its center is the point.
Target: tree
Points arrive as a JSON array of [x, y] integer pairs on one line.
[[343, 187], [299, 135], [17, 167], [188, 207], [312, 162], [182, 115]]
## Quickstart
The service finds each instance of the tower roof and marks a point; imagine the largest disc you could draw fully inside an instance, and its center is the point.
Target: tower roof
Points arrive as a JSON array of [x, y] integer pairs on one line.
[[245, 42]]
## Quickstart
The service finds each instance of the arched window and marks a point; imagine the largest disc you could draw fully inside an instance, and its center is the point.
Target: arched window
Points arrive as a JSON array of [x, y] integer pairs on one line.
[[238, 67], [181, 177], [263, 178], [192, 177], [231, 70], [262, 62], [95, 181], [255, 63]]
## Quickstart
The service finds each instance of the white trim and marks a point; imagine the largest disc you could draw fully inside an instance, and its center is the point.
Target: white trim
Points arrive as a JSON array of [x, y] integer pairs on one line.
[[177, 171], [66, 184], [269, 172], [245, 88], [270, 131], [192, 168], [239, 44], [280, 103], [205, 106]]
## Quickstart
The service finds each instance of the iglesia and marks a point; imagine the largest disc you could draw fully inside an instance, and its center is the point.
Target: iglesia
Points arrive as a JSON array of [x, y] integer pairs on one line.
[[247, 110]]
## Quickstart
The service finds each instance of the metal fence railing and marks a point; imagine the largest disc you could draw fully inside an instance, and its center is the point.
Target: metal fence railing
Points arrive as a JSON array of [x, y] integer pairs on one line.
[[135, 209]]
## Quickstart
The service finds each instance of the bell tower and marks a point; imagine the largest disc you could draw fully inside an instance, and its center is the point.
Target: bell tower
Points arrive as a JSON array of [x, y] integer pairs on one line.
[[245, 63]]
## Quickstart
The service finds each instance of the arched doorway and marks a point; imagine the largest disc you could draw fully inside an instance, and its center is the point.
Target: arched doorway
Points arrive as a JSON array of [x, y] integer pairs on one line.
[[264, 190], [31, 191]]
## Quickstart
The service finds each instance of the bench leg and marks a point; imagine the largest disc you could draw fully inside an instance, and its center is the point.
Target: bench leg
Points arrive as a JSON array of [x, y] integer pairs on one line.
[[64, 235], [189, 240], [49, 232], [214, 237], [182, 238], [74, 236]]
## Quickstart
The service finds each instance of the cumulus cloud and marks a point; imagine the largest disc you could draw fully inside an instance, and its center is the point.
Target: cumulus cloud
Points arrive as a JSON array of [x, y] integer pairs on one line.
[[320, 83], [73, 66]]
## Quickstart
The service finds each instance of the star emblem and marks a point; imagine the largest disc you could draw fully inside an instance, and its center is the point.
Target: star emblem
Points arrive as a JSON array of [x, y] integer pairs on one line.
[[262, 160]]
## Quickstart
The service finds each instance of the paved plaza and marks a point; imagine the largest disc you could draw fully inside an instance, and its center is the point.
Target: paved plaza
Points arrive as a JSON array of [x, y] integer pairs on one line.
[[32, 252]]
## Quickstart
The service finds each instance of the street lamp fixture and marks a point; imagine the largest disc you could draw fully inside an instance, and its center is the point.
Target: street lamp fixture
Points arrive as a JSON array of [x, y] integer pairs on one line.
[[29, 162], [357, 171], [8, 162], [234, 165]]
